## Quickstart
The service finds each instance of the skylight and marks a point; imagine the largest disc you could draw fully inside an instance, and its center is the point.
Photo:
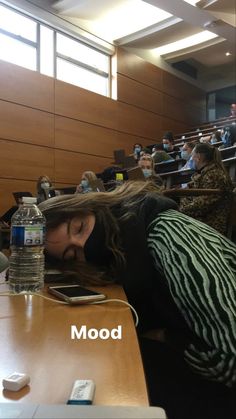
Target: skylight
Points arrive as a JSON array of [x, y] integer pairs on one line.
[[190, 41], [128, 17], [192, 2]]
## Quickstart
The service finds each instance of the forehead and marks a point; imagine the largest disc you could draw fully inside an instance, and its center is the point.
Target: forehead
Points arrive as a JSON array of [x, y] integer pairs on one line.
[[145, 161]]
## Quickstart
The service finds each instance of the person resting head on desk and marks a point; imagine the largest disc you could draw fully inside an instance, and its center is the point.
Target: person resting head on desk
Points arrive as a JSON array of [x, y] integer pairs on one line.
[[178, 273]]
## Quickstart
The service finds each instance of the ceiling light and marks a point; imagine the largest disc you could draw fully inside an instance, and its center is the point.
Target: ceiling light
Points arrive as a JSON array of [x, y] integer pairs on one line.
[[117, 22], [228, 53], [192, 2], [190, 41]]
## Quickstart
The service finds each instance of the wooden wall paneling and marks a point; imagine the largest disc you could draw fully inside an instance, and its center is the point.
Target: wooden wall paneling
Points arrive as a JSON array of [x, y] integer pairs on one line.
[[8, 186], [84, 137], [136, 68], [175, 108], [69, 166], [183, 90], [25, 161], [75, 102], [20, 123], [26, 87], [169, 124], [138, 94], [138, 121], [126, 141]]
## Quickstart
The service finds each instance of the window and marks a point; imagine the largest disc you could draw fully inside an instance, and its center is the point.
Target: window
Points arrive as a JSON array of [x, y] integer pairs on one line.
[[30, 44], [81, 65]]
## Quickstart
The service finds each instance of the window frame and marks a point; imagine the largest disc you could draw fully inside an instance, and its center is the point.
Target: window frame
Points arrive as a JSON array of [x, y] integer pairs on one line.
[[37, 45]]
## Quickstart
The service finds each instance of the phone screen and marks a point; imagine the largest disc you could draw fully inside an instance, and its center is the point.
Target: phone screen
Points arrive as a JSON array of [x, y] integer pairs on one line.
[[75, 291]]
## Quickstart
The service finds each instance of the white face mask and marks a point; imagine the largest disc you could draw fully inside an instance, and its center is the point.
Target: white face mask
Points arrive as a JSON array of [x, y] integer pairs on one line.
[[147, 172], [45, 185], [85, 183]]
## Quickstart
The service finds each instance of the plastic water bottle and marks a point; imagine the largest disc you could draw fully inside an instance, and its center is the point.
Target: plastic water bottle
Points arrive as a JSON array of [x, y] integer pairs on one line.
[[26, 263]]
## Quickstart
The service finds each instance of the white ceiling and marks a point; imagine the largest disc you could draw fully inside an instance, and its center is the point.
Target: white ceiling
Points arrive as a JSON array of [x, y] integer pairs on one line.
[[125, 23]]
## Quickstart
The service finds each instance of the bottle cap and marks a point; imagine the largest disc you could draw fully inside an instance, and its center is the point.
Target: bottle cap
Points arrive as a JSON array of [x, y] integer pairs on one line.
[[119, 176], [29, 200]]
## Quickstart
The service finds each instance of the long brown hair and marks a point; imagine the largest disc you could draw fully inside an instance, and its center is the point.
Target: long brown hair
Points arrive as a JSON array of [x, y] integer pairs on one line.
[[63, 208]]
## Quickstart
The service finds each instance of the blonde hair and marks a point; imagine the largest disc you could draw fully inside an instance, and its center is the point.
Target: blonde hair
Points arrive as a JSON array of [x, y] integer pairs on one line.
[[147, 157], [89, 175]]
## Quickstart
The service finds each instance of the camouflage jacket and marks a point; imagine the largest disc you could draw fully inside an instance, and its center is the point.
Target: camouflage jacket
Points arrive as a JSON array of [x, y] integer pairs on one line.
[[210, 209]]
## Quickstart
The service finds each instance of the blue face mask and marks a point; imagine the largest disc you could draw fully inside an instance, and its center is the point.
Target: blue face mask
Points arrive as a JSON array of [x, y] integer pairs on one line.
[[185, 155], [84, 183], [192, 164], [147, 172], [137, 150], [166, 147]]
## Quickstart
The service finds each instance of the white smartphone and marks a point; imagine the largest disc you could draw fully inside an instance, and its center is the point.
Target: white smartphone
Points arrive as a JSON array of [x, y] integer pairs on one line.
[[75, 294]]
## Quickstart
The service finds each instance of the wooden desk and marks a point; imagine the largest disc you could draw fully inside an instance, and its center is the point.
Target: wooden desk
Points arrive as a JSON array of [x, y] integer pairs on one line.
[[35, 339]]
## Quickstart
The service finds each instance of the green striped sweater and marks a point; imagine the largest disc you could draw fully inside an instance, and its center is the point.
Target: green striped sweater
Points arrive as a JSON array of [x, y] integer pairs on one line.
[[200, 267]]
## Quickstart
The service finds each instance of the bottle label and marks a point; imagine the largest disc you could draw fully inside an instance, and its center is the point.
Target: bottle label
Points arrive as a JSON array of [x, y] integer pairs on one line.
[[27, 235]]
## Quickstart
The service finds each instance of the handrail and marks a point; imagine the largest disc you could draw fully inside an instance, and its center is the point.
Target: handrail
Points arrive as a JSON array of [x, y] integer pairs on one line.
[[193, 192]]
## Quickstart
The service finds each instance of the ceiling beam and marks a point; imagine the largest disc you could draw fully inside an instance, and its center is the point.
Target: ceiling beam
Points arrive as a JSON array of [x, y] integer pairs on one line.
[[150, 30], [181, 53], [196, 17]]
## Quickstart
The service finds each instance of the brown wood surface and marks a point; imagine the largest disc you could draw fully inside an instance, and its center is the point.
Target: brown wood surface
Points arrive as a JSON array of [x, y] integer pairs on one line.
[[30, 88], [69, 166], [136, 68], [20, 123], [35, 339], [77, 103], [25, 161], [86, 138], [138, 94]]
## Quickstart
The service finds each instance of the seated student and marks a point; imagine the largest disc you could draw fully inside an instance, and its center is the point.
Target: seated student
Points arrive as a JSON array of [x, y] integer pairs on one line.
[[228, 136], [210, 173], [186, 154], [6, 217], [168, 144], [233, 110], [178, 273], [147, 165], [43, 188], [137, 148], [216, 137], [159, 155], [84, 185]]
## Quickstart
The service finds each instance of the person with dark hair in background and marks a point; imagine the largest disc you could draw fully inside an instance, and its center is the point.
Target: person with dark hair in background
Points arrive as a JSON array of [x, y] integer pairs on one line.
[[178, 273], [228, 136], [159, 155], [209, 174], [137, 148], [168, 145]]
